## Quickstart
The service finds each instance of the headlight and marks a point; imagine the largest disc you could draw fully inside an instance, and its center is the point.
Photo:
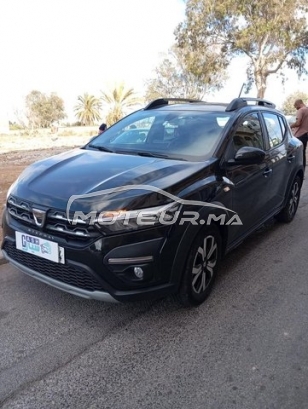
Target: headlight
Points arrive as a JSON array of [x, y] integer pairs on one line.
[[128, 220]]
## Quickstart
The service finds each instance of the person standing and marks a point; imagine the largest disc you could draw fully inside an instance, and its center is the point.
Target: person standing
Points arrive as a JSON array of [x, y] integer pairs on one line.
[[301, 124]]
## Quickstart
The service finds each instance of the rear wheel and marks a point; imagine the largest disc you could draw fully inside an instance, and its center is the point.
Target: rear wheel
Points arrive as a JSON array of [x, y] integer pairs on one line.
[[201, 267], [288, 212]]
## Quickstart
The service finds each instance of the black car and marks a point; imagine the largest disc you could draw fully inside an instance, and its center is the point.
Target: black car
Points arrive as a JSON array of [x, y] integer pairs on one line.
[[146, 217]]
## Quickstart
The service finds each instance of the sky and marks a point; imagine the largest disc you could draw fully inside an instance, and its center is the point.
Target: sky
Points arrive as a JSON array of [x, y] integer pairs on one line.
[[76, 46]]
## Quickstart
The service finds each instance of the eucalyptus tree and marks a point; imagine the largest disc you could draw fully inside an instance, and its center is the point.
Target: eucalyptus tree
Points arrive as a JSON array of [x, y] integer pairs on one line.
[[271, 34], [172, 78]]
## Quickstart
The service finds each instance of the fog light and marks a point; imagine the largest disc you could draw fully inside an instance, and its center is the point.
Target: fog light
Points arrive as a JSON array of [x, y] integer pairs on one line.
[[138, 272]]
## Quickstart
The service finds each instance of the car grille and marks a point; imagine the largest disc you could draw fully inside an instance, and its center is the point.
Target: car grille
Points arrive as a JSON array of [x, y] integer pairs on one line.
[[56, 221], [67, 274]]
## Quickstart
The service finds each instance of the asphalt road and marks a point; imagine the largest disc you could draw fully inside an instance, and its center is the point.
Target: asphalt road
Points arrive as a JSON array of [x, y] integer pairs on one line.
[[246, 347]]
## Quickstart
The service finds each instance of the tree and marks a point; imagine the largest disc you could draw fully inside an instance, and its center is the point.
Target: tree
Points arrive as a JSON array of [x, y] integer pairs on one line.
[[15, 126], [174, 79], [288, 104], [43, 110], [271, 34], [88, 109], [118, 100]]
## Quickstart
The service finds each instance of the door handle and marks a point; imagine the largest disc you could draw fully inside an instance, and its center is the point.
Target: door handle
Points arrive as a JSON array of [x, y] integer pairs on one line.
[[267, 172], [291, 158]]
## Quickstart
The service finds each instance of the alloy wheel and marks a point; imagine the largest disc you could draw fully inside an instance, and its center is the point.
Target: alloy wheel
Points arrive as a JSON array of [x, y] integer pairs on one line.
[[204, 263], [294, 198]]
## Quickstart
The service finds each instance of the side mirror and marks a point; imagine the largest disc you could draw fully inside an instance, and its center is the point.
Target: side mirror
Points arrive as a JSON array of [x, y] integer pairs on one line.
[[247, 155]]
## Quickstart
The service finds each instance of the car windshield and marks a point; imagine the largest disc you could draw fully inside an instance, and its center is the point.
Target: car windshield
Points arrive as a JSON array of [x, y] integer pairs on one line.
[[176, 134]]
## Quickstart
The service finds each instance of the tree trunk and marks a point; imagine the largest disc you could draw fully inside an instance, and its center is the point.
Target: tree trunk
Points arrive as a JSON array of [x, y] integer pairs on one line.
[[261, 93], [261, 85]]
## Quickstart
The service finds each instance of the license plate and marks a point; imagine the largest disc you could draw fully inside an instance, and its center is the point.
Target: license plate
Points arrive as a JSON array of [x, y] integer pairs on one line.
[[40, 247]]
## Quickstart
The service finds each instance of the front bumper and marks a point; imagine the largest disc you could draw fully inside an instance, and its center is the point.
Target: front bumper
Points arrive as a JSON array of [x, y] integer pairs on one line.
[[94, 295], [104, 273]]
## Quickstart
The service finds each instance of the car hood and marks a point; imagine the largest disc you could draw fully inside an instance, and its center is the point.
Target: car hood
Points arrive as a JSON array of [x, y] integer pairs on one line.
[[53, 181]]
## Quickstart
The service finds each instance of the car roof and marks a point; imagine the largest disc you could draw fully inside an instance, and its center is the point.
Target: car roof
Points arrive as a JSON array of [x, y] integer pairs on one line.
[[193, 107], [176, 104]]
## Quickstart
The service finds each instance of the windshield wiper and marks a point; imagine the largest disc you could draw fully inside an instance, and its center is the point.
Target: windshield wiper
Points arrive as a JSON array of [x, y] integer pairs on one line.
[[101, 148], [151, 155]]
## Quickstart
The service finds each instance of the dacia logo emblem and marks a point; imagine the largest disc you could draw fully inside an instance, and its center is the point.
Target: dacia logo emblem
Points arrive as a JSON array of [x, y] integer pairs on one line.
[[39, 217]]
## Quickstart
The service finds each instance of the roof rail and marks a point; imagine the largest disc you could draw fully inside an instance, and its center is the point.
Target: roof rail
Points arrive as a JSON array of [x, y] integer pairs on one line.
[[165, 101], [237, 103]]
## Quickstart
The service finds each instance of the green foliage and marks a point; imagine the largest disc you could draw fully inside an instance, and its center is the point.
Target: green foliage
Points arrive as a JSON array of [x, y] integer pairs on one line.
[[14, 126], [174, 79], [272, 34], [118, 100], [43, 110], [88, 109], [288, 104]]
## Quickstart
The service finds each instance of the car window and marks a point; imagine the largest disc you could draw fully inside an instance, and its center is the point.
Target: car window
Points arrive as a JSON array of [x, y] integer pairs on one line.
[[178, 134], [249, 133], [283, 125], [274, 131]]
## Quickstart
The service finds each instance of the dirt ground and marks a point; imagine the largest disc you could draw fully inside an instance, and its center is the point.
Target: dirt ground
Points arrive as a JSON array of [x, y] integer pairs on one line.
[[13, 163]]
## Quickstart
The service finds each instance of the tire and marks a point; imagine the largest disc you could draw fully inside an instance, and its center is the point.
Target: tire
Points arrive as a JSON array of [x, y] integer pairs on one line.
[[287, 214], [200, 267]]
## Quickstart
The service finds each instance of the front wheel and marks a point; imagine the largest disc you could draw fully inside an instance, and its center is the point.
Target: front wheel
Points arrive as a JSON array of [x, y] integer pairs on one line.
[[201, 267], [288, 212]]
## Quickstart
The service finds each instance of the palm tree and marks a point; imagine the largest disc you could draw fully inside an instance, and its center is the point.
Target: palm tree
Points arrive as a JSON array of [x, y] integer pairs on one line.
[[88, 109], [119, 100]]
